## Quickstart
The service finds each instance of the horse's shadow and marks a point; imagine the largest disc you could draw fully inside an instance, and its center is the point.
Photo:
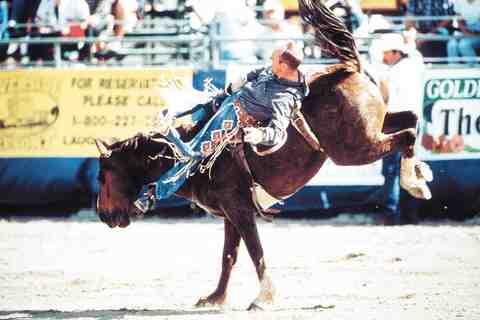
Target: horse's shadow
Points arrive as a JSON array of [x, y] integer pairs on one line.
[[110, 314]]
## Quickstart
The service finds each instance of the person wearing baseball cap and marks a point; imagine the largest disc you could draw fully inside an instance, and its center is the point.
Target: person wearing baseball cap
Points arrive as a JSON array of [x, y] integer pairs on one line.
[[402, 84], [393, 47]]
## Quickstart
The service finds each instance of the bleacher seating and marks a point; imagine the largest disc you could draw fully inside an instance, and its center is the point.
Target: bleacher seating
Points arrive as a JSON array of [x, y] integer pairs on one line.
[[169, 37]]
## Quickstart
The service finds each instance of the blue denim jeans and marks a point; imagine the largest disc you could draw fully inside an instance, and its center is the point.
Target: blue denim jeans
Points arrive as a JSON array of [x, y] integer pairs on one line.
[[22, 11], [3, 20], [463, 47], [391, 193], [388, 196]]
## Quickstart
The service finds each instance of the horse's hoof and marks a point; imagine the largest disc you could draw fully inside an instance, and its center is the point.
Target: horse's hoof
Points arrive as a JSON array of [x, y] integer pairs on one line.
[[419, 189], [423, 171], [202, 303], [414, 175], [254, 307], [422, 192], [209, 302]]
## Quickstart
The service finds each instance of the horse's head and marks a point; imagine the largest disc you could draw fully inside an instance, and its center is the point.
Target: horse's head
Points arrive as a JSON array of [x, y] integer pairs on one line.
[[125, 167]]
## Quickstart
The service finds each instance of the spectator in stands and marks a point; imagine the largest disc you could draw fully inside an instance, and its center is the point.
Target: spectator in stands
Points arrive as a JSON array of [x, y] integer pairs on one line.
[[434, 9], [3, 29], [276, 26], [59, 18], [402, 78], [130, 15], [125, 14], [236, 20], [349, 11], [3, 19], [22, 13], [111, 17], [101, 19], [467, 40], [62, 14]]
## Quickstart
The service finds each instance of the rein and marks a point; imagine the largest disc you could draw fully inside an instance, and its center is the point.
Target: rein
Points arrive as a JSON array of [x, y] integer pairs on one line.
[[300, 123]]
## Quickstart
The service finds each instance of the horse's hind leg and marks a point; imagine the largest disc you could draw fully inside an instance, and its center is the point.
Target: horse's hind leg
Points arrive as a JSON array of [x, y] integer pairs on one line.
[[396, 121], [413, 171], [361, 150], [244, 221], [230, 252], [255, 250]]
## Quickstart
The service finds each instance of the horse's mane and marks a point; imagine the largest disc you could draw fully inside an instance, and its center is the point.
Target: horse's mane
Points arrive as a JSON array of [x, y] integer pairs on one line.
[[330, 32], [129, 144], [142, 152], [139, 143]]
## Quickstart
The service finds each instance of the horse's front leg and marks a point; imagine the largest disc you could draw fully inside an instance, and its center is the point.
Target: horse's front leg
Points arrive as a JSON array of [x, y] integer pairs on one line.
[[230, 253], [247, 226]]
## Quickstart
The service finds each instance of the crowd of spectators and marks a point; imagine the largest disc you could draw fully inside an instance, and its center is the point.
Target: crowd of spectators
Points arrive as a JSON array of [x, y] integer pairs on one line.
[[76, 19], [440, 28], [466, 43]]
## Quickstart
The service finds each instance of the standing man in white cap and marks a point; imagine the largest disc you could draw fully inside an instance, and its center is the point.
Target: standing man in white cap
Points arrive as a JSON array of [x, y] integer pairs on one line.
[[404, 73], [402, 83]]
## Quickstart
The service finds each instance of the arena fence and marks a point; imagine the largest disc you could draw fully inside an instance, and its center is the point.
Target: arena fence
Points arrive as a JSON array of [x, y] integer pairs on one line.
[[153, 43]]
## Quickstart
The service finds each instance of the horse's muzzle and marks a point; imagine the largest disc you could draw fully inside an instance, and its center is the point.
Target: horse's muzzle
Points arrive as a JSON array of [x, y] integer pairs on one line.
[[115, 219]]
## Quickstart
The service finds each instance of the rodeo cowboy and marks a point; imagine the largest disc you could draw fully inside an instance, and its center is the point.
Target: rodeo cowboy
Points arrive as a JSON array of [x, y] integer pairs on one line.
[[266, 96]]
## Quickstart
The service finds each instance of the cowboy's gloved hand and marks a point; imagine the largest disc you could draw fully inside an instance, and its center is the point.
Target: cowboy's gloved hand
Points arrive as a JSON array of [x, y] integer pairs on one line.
[[253, 135], [228, 89], [164, 121]]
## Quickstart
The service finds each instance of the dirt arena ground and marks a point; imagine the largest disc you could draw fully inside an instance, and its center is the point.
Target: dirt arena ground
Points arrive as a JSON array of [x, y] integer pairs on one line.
[[158, 268]]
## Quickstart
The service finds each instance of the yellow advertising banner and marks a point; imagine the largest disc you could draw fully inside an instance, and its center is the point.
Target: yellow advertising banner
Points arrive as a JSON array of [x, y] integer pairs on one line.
[[59, 113], [380, 5]]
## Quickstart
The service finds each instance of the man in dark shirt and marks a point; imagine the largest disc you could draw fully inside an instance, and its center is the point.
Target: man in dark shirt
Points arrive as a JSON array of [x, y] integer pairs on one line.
[[21, 13], [267, 95]]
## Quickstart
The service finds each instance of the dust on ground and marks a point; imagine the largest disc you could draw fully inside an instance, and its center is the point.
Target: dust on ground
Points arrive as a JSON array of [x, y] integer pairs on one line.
[[159, 268]]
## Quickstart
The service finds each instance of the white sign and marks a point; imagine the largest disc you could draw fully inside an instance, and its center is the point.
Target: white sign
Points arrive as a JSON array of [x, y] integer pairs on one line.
[[450, 124]]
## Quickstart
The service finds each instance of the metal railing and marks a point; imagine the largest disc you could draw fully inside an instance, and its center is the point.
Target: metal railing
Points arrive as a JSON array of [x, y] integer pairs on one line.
[[150, 45]]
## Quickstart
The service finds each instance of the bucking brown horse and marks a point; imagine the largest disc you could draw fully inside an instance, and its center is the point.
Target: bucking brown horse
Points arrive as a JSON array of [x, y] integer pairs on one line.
[[344, 110]]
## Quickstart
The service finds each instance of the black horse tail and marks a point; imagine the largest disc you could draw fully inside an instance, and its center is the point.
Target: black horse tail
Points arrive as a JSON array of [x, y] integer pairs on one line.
[[331, 34]]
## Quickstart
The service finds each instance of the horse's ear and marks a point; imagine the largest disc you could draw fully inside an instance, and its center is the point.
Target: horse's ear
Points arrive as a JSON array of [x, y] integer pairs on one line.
[[103, 148]]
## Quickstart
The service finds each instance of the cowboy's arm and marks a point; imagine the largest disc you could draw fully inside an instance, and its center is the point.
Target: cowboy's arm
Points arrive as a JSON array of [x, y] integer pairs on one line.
[[238, 83], [276, 130]]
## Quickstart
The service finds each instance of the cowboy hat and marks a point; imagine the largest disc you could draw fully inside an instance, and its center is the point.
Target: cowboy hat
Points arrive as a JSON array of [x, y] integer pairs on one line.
[[392, 42]]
